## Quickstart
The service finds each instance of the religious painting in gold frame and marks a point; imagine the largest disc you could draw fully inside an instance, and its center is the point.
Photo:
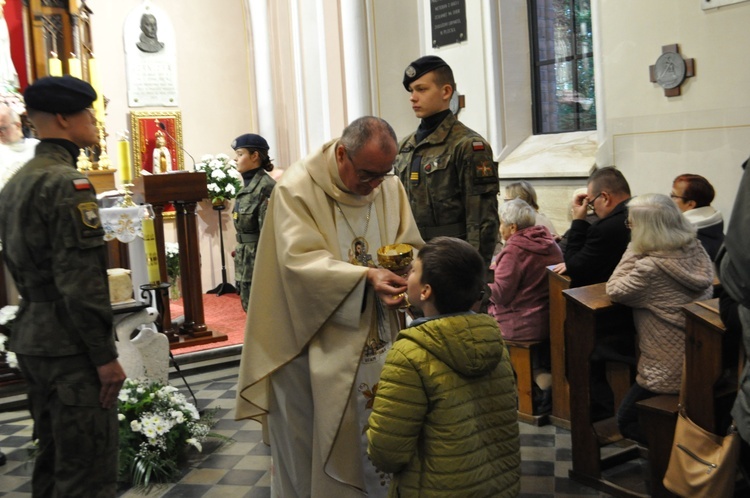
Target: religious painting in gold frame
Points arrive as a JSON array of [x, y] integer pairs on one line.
[[145, 128]]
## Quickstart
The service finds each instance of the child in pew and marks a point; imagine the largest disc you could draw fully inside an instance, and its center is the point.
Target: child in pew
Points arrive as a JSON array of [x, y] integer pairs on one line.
[[663, 268], [519, 293], [444, 418]]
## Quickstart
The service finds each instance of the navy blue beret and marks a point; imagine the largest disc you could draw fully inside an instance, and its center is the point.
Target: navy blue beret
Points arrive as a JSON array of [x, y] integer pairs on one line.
[[249, 141], [420, 67], [59, 95]]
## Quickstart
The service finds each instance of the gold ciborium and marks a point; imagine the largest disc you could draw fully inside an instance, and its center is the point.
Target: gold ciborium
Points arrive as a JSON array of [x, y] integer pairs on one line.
[[396, 257]]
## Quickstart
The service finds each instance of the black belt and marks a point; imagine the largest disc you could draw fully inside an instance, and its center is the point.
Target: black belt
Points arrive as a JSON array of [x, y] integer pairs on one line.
[[245, 238], [453, 230], [41, 294]]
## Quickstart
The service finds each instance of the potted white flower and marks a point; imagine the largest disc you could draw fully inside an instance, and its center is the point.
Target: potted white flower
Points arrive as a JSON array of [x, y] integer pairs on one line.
[[222, 177], [7, 315]]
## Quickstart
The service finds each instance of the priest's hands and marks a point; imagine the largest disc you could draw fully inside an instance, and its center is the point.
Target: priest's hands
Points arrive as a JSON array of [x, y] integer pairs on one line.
[[389, 287]]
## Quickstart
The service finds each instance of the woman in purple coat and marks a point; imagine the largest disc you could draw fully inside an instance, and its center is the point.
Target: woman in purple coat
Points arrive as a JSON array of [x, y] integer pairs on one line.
[[519, 298]]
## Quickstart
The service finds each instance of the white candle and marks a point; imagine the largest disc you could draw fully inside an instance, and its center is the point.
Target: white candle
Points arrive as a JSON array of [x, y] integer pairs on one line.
[[55, 65], [74, 67], [152, 255], [94, 81]]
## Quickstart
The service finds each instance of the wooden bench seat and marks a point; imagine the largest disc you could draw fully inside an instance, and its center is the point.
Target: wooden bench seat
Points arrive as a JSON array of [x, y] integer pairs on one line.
[[521, 356]]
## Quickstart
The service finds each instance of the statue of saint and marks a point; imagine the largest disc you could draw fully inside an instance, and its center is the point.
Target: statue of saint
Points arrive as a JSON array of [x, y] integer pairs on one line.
[[161, 158], [148, 41]]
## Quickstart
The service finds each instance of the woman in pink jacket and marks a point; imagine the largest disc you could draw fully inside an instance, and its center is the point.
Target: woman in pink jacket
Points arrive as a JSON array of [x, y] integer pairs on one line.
[[664, 268], [519, 298]]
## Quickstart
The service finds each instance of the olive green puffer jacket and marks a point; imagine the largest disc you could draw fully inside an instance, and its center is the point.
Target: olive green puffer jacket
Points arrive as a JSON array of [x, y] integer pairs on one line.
[[444, 420]]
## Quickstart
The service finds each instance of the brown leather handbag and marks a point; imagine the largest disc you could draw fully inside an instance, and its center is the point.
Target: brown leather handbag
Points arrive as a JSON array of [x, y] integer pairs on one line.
[[701, 463]]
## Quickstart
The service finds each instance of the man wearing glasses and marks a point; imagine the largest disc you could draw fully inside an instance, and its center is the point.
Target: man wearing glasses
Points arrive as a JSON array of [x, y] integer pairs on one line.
[[324, 317], [594, 249], [447, 169]]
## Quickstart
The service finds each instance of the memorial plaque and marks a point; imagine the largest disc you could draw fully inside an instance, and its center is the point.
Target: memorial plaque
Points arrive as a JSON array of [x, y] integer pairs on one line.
[[448, 22]]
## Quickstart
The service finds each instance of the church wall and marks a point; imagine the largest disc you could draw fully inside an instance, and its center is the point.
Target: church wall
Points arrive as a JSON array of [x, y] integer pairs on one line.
[[215, 92], [653, 138]]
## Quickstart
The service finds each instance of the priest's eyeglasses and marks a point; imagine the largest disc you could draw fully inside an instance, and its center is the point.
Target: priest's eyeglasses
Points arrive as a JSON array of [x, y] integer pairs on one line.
[[365, 176]]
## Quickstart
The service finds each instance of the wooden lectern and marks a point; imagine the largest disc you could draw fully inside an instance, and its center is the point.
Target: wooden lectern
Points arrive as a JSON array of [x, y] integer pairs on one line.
[[184, 190]]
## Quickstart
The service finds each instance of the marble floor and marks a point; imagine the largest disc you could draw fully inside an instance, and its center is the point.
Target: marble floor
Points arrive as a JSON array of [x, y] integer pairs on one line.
[[241, 468]]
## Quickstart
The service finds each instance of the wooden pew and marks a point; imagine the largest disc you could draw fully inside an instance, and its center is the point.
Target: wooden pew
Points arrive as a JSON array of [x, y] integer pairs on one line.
[[589, 314], [560, 415], [711, 382], [705, 344], [521, 355]]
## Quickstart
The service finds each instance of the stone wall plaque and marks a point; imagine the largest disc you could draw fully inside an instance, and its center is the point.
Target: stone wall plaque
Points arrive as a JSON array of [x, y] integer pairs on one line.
[[448, 22]]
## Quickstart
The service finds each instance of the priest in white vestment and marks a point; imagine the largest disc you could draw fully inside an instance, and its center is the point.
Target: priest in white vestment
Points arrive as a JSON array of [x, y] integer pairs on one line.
[[323, 317]]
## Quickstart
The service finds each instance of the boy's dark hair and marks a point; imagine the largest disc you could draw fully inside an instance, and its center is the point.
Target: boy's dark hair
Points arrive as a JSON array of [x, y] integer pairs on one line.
[[455, 271]]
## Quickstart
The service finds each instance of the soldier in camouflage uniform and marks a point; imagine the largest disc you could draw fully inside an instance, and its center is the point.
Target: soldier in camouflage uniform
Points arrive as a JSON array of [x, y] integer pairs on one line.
[[250, 206], [447, 169], [63, 337]]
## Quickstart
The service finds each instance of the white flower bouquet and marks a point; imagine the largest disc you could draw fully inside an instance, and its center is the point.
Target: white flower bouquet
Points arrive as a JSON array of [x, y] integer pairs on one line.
[[224, 181], [158, 426], [172, 250], [7, 315]]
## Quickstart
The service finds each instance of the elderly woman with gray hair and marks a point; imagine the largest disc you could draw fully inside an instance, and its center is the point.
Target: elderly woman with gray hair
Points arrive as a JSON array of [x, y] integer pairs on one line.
[[519, 298], [663, 268]]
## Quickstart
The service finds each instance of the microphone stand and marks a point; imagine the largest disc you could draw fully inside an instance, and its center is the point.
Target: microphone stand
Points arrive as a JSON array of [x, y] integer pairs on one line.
[[224, 287], [174, 140]]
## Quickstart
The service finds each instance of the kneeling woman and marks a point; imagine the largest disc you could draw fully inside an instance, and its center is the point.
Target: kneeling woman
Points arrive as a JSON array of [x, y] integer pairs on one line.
[[664, 268], [250, 206]]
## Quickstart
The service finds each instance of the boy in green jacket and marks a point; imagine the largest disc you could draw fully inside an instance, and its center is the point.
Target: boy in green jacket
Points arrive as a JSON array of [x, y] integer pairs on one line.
[[444, 420]]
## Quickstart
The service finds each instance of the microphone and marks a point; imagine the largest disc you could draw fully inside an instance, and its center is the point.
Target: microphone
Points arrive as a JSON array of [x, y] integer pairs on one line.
[[164, 129]]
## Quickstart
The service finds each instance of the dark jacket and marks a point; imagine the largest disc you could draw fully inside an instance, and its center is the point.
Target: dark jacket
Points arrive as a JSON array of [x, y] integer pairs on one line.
[[593, 250], [712, 237]]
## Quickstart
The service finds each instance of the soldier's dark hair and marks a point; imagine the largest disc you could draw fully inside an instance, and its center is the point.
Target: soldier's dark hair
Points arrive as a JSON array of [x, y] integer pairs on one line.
[[455, 271], [444, 76], [697, 189], [362, 130], [265, 162], [610, 180]]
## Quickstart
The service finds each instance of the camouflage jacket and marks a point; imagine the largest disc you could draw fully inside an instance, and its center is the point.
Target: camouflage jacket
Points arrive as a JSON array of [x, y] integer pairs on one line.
[[53, 247], [248, 214], [452, 184]]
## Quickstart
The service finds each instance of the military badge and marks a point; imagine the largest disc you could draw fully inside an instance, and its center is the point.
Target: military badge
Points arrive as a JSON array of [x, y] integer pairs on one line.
[[90, 214], [410, 71], [477, 145]]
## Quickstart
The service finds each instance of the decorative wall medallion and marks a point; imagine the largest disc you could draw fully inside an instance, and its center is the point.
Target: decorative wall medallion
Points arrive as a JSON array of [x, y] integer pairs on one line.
[[671, 69]]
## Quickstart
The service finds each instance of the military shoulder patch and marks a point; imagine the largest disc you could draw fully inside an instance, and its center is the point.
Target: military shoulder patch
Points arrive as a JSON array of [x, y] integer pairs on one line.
[[483, 170], [477, 145], [90, 214], [82, 184]]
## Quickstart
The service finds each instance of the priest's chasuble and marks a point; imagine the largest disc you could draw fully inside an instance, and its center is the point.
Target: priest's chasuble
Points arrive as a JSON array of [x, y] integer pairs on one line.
[[311, 296]]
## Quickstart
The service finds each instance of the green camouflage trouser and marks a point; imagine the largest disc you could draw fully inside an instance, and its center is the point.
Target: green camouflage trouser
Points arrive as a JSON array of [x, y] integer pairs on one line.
[[78, 439]]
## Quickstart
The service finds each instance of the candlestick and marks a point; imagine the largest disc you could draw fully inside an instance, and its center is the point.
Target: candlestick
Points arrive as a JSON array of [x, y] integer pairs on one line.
[[55, 65], [74, 66], [152, 256], [94, 81], [124, 154]]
